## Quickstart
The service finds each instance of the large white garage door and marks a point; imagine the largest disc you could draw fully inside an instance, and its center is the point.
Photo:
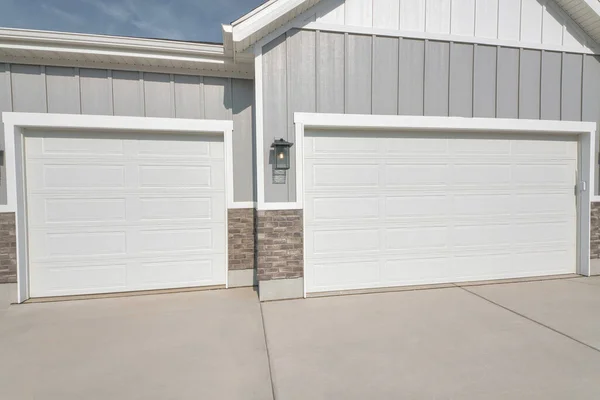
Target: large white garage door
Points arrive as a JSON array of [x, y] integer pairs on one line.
[[124, 212], [398, 209]]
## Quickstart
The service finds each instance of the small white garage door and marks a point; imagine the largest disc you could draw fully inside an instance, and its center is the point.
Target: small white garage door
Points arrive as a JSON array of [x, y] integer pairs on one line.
[[123, 212], [387, 210]]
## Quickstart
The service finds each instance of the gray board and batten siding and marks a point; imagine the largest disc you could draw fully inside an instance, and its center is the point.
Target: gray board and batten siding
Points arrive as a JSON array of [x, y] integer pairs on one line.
[[327, 72], [45, 89]]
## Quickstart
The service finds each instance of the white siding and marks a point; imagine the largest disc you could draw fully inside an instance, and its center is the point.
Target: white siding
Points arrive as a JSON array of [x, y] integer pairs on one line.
[[532, 22]]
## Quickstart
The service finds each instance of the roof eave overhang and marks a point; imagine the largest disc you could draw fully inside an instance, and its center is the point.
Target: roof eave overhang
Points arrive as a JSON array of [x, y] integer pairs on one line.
[[61, 48]]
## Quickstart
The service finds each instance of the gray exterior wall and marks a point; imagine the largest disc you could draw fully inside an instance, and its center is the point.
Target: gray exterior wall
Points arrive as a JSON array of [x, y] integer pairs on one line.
[[32, 88], [348, 73]]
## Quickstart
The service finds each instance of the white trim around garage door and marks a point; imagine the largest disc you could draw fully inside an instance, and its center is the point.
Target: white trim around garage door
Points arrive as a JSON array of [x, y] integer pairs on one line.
[[15, 123], [585, 131]]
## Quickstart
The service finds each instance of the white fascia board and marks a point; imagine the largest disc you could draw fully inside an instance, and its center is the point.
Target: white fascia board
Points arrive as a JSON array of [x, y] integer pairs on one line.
[[244, 28], [120, 42], [393, 122], [253, 12], [67, 47], [114, 52], [594, 5]]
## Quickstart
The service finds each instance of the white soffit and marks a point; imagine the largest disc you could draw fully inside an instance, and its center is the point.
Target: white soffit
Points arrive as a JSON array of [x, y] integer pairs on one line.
[[586, 13]]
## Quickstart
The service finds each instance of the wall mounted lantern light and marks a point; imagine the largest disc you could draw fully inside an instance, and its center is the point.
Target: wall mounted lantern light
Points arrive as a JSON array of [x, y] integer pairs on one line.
[[282, 153]]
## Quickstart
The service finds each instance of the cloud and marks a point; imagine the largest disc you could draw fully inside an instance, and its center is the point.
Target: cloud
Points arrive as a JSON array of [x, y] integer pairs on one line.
[[68, 17], [169, 19]]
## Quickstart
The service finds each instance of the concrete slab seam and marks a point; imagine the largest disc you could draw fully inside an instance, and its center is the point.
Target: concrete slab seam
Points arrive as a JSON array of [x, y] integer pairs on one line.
[[262, 318], [529, 319]]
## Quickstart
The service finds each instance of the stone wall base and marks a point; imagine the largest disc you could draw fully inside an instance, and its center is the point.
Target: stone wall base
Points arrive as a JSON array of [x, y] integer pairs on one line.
[[241, 235], [281, 289], [8, 248], [241, 278]]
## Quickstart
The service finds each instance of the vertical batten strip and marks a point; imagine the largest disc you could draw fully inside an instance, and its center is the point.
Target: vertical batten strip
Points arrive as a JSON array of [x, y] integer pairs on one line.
[[173, 98], [45, 85], [111, 95]]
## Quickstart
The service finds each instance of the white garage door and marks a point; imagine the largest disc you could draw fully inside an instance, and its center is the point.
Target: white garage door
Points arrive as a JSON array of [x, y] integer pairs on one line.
[[124, 212], [397, 209]]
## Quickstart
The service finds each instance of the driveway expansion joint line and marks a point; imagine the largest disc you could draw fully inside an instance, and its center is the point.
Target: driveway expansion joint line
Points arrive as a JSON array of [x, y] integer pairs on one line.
[[528, 318], [262, 318]]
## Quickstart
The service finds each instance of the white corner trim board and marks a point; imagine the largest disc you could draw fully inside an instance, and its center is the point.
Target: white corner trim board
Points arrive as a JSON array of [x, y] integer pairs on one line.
[[15, 123], [583, 131]]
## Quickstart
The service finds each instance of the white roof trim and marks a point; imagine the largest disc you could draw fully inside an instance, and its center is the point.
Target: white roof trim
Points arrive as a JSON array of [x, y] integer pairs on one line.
[[89, 40], [50, 48], [252, 22]]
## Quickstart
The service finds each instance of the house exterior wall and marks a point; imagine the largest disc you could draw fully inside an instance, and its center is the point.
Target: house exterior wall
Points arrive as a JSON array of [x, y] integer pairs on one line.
[[526, 21], [44, 89], [41, 89], [329, 72]]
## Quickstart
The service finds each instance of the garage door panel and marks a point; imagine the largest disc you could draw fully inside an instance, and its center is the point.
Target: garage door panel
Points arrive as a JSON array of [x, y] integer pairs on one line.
[[72, 244], [346, 274], [198, 238], [481, 204], [343, 208], [185, 146], [163, 176], [151, 274], [552, 175], [410, 174], [413, 206], [345, 175], [416, 238], [338, 143], [466, 208], [180, 208], [410, 145], [151, 204], [66, 280], [66, 176], [480, 174], [472, 145], [61, 211], [547, 203], [71, 145], [542, 147]]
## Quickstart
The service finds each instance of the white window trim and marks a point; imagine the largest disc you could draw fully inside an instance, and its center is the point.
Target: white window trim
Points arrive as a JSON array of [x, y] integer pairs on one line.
[[16, 123], [585, 131]]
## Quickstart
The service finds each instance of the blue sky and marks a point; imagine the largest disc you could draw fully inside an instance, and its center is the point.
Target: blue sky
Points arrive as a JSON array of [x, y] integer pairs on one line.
[[169, 19]]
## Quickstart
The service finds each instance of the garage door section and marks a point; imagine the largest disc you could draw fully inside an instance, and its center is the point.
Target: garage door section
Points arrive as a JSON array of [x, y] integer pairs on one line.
[[124, 212], [386, 210]]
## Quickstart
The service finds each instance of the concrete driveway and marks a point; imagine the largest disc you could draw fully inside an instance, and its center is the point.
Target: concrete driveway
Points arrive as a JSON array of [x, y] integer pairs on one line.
[[196, 345], [521, 341]]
